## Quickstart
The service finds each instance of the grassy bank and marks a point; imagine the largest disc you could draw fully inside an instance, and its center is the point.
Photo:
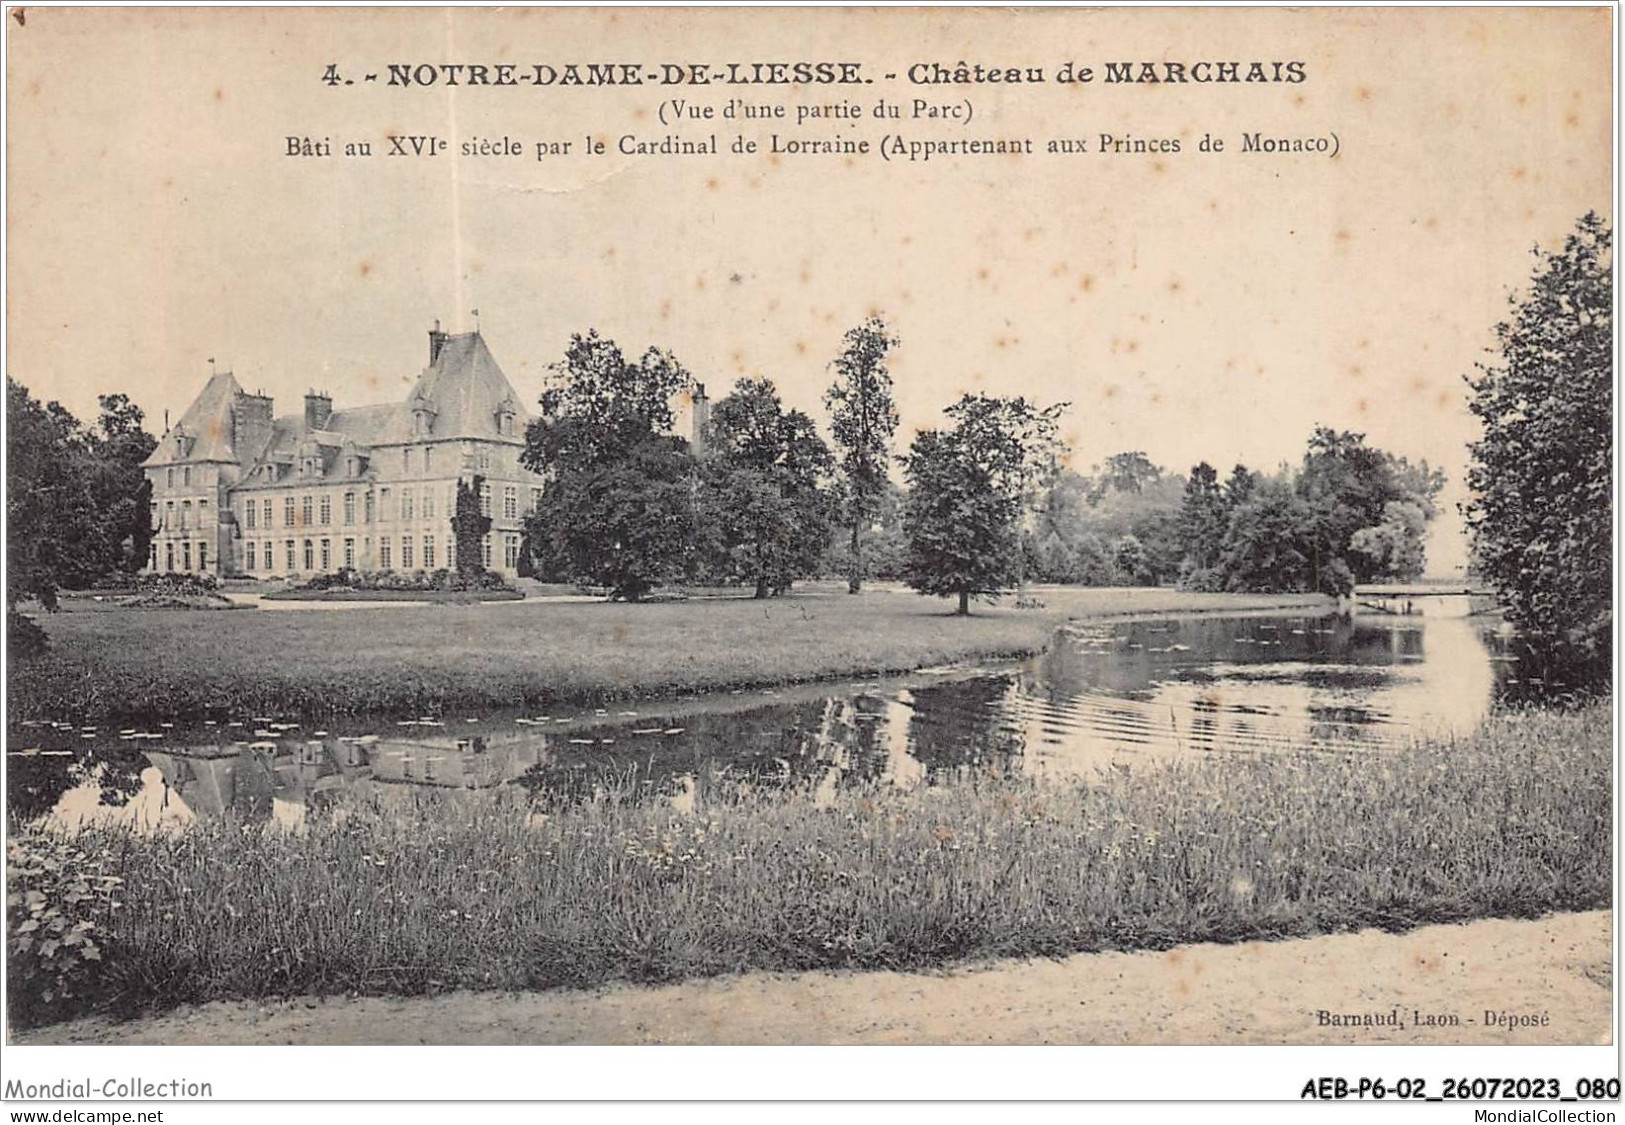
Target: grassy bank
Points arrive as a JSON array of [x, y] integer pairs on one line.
[[435, 658], [1513, 821]]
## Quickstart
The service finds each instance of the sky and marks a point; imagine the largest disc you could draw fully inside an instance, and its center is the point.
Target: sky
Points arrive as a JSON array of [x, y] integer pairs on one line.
[[1196, 306]]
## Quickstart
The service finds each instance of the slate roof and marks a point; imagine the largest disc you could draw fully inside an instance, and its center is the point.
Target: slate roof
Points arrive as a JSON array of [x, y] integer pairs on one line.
[[463, 388], [208, 421]]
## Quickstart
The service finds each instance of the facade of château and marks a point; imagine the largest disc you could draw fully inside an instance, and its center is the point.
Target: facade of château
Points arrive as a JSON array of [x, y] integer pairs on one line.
[[238, 490]]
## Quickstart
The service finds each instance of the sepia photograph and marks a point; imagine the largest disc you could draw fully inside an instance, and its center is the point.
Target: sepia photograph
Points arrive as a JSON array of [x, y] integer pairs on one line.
[[840, 527]]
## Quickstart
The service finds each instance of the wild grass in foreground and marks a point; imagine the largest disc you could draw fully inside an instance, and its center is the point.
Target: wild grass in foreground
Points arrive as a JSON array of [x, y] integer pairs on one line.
[[468, 893]]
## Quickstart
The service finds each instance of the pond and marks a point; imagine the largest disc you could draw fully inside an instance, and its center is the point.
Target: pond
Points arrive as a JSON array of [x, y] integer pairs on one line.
[[1105, 694]]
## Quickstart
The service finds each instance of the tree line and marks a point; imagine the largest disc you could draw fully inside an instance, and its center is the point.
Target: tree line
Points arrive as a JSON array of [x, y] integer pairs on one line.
[[1347, 513], [985, 504], [629, 506]]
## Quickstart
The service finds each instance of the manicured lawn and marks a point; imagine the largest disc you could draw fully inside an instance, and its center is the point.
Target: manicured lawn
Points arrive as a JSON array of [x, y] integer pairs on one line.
[[434, 658], [439, 890], [437, 597]]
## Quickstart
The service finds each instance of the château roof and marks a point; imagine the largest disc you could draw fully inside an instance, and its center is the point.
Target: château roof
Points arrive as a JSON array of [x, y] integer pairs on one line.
[[462, 391], [208, 422]]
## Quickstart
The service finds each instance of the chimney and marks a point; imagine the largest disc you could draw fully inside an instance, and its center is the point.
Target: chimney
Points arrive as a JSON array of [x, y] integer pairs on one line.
[[318, 409], [437, 340], [702, 417], [250, 423]]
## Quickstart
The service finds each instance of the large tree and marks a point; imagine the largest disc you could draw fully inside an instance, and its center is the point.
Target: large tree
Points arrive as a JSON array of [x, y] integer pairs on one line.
[[469, 526], [967, 489], [1542, 509], [1264, 542], [1351, 489], [765, 496], [863, 418], [119, 486], [618, 506], [48, 506], [1202, 517]]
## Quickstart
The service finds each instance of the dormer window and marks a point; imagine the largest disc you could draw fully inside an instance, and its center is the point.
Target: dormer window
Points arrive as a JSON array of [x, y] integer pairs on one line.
[[506, 411], [423, 413]]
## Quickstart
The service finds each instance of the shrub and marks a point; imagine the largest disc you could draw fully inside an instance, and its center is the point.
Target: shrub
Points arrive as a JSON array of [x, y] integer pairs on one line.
[[418, 580], [170, 584], [59, 904], [24, 637], [1206, 579]]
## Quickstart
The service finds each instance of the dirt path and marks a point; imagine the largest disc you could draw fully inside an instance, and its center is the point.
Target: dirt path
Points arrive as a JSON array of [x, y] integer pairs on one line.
[[1559, 967]]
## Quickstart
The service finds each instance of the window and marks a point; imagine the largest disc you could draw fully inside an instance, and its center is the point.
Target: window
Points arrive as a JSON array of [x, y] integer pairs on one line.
[[249, 557], [266, 511], [327, 509], [152, 553], [485, 550], [510, 552], [248, 513], [428, 504], [306, 507], [186, 516], [406, 459], [268, 563], [485, 498], [310, 555], [169, 556], [406, 552], [535, 499], [288, 546], [349, 554], [428, 550], [287, 511], [383, 504], [428, 458], [385, 562], [169, 516], [186, 477], [169, 478], [369, 508], [510, 502], [186, 555], [349, 507], [203, 513], [203, 556], [406, 503], [327, 554]]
